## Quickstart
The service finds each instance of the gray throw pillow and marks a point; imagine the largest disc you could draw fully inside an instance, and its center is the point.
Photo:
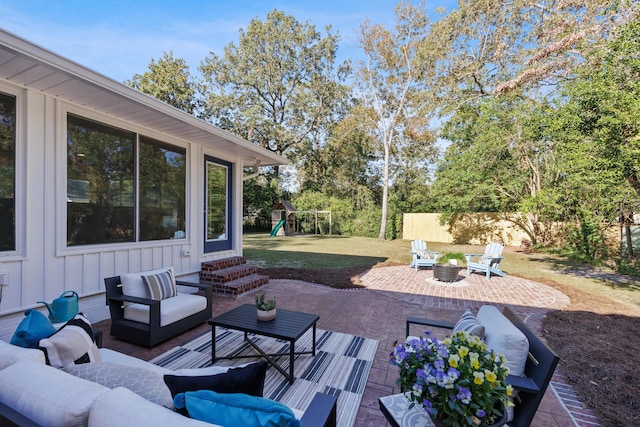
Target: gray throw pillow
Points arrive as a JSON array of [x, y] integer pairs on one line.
[[468, 322], [144, 382]]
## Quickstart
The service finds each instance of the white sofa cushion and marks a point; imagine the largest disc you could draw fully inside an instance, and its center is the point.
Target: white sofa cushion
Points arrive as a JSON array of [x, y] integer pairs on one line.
[[10, 354], [121, 407], [133, 285], [171, 309], [46, 395], [504, 338]]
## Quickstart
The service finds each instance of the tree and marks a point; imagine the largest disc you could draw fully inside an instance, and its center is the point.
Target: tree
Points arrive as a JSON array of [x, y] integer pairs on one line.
[[278, 87], [168, 80], [500, 160], [598, 130], [390, 78]]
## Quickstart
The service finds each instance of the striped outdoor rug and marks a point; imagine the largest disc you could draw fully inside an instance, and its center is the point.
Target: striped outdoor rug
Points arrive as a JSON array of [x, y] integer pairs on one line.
[[340, 367]]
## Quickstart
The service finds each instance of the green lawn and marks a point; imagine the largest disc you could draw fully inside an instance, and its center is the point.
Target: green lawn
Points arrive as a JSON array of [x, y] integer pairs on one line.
[[339, 251]]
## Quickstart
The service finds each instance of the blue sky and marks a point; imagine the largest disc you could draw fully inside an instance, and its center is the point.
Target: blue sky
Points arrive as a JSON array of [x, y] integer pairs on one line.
[[119, 38]]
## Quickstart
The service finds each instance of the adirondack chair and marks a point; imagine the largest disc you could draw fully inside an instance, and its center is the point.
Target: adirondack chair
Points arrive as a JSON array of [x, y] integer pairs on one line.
[[421, 256], [488, 262]]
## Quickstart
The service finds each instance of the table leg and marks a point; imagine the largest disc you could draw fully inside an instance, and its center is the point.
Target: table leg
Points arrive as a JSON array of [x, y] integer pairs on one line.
[[213, 344], [292, 352], [313, 345]]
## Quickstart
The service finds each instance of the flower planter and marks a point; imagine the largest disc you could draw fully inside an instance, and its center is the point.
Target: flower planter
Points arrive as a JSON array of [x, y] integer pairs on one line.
[[446, 272], [265, 316]]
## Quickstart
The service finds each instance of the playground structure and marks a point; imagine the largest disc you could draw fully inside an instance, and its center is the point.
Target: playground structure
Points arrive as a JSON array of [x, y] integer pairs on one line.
[[287, 221]]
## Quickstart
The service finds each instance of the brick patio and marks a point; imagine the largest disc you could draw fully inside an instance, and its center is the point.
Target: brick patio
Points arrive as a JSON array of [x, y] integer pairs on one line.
[[379, 312]]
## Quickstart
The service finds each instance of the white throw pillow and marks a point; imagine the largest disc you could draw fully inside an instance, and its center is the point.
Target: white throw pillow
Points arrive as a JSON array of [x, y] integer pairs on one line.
[[73, 343], [10, 354]]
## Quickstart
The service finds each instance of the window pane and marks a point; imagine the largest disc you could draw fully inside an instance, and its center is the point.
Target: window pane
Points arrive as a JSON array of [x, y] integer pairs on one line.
[[162, 190], [216, 201], [100, 183], [7, 172]]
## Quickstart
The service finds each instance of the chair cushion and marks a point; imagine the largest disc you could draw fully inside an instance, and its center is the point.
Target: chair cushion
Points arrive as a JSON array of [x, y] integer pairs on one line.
[[133, 285], [160, 285], [72, 343], [46, 395], [468, 322], [171, 309], [505, 338], [235, 409], [144, 382], [34, 327], [121, 407]]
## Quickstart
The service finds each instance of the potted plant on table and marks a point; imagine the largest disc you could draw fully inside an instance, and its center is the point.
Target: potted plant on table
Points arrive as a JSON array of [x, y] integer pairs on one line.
[[266, 308], [458, 381], [448, 266]]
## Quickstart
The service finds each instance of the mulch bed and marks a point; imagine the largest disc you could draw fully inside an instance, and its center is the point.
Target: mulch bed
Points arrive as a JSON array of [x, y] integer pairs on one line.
[[595, 337]]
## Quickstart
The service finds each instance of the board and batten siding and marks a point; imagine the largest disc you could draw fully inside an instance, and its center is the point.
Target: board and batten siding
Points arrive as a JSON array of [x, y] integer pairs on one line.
[[43, 267]]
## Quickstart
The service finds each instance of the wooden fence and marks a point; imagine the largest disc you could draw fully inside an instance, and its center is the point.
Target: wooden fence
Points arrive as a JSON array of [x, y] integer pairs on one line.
[[472, 228]]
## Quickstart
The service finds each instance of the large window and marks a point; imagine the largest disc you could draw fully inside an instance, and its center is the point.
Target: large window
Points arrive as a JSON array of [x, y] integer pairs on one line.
[[218, 203], [162, 190], [102, 181], [7, 172]]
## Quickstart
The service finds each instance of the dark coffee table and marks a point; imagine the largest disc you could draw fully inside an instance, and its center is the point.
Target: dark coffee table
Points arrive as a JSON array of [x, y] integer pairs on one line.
[[288, 325]]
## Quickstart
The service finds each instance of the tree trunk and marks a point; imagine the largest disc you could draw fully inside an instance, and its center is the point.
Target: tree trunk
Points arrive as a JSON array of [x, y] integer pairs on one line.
[[627, 231], [385, 193]]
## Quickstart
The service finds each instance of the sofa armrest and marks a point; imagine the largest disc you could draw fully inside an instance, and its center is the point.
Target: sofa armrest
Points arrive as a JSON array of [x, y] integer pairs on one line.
[[322, 412], [427, 322]]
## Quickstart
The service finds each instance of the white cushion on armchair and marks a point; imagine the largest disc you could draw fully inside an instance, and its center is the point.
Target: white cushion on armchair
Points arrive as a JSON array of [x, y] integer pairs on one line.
[[171, 309], [504, 337]]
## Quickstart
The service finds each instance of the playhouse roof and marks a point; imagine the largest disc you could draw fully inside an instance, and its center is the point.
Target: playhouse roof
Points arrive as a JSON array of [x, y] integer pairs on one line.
[[284, 205]]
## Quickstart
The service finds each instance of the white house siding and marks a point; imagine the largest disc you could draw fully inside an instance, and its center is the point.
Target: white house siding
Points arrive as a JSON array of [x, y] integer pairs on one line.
[[43, 267]]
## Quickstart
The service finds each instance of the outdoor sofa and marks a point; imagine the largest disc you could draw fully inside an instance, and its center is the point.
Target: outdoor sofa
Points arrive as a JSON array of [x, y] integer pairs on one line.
[[113, 389]]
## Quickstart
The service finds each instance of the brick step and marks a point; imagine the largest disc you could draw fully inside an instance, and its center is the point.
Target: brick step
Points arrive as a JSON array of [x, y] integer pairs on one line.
[[219, 264], [241, 285], [228, 274]]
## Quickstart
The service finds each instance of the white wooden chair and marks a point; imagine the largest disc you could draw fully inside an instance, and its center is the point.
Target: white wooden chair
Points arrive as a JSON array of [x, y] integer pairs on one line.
[[488, 262], [421, 256]]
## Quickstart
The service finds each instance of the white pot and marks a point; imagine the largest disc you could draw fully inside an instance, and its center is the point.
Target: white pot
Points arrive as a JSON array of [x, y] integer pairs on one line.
[[265, 316]]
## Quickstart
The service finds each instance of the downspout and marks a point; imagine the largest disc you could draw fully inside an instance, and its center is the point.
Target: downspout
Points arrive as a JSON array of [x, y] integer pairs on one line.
[[256, 170]]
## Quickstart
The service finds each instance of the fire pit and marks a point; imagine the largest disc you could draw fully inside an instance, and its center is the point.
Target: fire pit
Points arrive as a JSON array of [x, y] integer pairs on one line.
[[446, 272]]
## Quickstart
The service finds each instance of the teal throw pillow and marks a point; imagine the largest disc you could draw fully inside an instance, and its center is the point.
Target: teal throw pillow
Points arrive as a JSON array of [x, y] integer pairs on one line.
[[235, 409], [34, 327]]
